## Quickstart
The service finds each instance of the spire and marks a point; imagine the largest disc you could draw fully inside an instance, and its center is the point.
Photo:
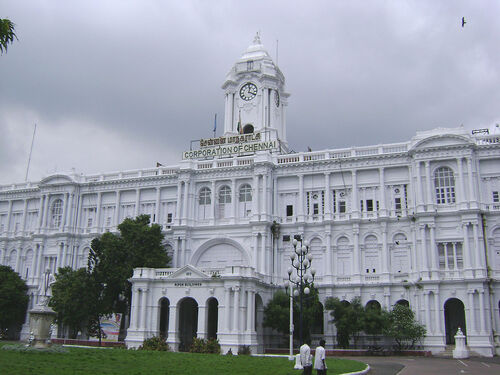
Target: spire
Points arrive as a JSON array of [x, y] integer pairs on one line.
[[256, 40]]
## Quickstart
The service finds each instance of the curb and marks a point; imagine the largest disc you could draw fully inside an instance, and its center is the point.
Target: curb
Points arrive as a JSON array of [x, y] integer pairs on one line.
[[359, 372]]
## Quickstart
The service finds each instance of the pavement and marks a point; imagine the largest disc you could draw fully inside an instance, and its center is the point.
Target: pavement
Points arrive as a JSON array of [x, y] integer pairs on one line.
[[431, 365]]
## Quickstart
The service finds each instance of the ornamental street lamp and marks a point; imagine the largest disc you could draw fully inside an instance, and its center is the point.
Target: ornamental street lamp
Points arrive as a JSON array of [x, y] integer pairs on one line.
[[301, 276]]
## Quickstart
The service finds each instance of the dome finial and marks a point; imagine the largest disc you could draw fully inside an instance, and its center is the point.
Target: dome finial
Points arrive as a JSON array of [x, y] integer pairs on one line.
[[256, 40]]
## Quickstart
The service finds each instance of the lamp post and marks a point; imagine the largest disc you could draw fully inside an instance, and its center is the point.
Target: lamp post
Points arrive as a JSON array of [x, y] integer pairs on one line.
[[301, 260]]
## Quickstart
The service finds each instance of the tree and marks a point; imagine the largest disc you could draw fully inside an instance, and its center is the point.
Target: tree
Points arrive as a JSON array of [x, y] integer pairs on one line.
[[71, 294], [7, 33], [277, 313], [375, 321], [348, 319], [112, 260], [13, 299], [403, 327]]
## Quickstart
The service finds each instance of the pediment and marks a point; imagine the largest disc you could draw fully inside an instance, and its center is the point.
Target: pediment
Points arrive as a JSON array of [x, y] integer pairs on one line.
[[442, 141], [188, 272], [56, 179]]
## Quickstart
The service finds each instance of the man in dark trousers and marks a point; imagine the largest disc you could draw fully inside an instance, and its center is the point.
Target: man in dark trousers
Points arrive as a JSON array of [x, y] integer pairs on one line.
[[306, 359]]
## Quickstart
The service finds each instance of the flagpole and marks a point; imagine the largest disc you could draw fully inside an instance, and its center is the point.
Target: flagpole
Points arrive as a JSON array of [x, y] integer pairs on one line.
[[29, 158], [215, 124]]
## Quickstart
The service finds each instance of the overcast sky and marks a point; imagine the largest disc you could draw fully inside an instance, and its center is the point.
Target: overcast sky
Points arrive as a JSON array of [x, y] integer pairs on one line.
[[119, 85]]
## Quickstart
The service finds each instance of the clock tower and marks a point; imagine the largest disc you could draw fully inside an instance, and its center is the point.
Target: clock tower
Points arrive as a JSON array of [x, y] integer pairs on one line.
[[255, 96]]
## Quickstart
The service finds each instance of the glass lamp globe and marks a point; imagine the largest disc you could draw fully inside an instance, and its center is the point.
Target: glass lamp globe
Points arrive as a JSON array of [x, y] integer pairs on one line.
[[309, 257], [292, 256], [294, 242], [289, 270], [298, 250], [296, 263], [304, 249], [307, 290], [306, 263], [313, 271], [295, 292], [306, 243]]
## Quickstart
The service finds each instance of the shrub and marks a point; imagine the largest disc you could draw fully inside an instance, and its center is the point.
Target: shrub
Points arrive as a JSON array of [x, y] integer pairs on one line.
[[205, 346], [244, 350], [155, 343], [213, 346]]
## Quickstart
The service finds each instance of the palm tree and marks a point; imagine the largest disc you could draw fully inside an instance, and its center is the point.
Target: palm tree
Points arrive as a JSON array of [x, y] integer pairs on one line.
[[7, 33]]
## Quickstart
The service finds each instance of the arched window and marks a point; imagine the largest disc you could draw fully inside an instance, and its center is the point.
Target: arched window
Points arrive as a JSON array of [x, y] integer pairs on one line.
[[205, 196], [225, 195], [224, 199], [56, 213], [444, 183], [245, 193], [248, 129], [245, 199]]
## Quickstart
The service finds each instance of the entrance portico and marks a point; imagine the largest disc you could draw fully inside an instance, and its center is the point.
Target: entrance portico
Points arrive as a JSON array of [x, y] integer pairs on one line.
[[187, 302]]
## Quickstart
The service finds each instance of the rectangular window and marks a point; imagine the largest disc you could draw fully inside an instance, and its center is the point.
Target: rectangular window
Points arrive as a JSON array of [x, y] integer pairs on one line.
[[289, 210], [169, 218], [89, 222], [369, 205], [249, 64], [496, 199], [397, 204], [361, 205], [342, 207], [315, 209]]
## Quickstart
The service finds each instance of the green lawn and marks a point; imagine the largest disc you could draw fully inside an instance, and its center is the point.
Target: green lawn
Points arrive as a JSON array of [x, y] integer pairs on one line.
[[131, 362]]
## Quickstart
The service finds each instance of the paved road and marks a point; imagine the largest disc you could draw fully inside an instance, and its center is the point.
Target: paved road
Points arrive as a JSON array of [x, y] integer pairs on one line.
[[424, 366]]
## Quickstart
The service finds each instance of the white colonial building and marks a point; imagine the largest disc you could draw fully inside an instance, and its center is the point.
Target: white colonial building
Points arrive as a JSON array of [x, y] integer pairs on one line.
[[416, 222]]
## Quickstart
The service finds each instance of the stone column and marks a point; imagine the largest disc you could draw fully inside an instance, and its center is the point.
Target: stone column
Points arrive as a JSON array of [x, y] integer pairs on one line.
[[172, 325], [437, 313], [434, 255], [250, 310], [471, 180], [467, 255], [480, 261], [39, 270], [264, 197], [202, 318], [116, 218], [185, 203], [300, 210], [427, 311], [383, 208], [157, 205], [234, 200], [423, 242], [354, 203], [356, 252], [385, 253], [255, 198], [45, 211], [65, 251], [137, 201], [25, 212], [328, 197], [414, 248], [98, 212], [459, 184], [263, 253], [429, 185], [144, 306], [69, 215], [227, 308], [472, 313], [40, 214], [213, 203], [135, 308], [178, 204], [329, 253], [445, 251], [255, 262], [420, 201], [482, 317], [236, 309]]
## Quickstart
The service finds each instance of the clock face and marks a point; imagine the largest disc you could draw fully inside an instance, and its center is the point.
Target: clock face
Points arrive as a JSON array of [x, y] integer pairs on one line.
[[276, 98], [248, 91]]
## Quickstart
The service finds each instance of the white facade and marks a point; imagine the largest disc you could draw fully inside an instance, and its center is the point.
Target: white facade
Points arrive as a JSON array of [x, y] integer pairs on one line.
[[417, 221]]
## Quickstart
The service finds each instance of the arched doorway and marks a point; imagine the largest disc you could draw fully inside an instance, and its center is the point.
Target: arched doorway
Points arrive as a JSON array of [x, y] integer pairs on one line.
[[164, 317], [213, 318], [188, 323], [454, 317], [403, 302], [374, 305]]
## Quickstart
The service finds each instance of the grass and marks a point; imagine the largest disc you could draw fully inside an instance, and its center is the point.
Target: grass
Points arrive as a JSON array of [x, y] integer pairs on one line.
[[131, 362]]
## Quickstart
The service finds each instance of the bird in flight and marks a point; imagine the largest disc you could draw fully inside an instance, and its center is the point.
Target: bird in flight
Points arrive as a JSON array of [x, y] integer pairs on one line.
[[463, 21]]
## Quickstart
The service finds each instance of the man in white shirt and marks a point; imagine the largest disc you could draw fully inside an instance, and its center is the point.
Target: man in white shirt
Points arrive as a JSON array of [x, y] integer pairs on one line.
[[306, 359], [319, 358]]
